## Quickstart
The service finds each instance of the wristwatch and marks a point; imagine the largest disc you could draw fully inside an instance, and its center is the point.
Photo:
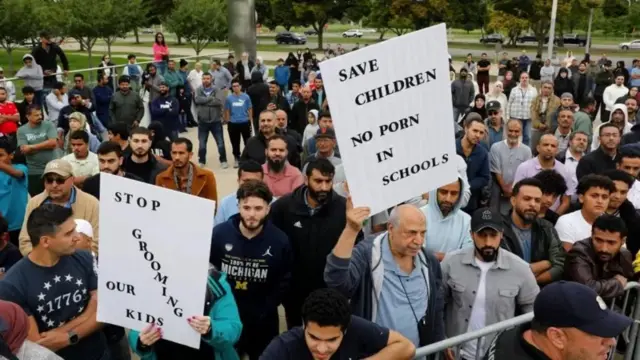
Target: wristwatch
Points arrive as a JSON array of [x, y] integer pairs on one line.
[[73, 337]]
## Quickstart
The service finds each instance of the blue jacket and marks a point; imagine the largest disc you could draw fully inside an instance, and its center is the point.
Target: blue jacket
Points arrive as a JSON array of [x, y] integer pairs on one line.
[[225, 324], [281, 74], [165, 110], [103, 96], [355, 278], [185, 83], [447, 233], [477, 166]]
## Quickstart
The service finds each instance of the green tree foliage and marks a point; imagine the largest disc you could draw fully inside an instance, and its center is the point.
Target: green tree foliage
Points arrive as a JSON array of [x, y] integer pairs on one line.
[[469, 14], [200, 22], [15, 32], [509, 24], [318, 14], [125, 15], [615, 8], [273, 13], [402, 16], [156, 12]]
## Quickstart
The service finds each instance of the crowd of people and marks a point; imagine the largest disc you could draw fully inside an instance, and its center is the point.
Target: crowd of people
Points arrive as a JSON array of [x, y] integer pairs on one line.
[[543, 221]]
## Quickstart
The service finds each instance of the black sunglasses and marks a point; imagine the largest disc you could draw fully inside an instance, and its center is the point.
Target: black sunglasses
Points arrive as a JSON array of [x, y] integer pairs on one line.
[[58, 180], [493, 113]]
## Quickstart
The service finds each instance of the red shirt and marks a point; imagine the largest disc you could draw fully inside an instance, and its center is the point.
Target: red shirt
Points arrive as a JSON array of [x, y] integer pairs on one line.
[[8, 127]]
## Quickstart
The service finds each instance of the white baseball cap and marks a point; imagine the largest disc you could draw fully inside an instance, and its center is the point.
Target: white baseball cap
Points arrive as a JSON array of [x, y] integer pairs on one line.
[[84, 227]]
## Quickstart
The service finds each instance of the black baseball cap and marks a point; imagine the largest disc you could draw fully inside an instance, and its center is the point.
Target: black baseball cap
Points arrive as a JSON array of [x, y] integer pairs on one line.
[[325, 133], [493, 105], [567, 304], [486, 218]]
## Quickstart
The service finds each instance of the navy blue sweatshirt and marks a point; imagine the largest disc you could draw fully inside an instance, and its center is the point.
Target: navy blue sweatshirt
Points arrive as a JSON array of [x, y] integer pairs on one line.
[[258, 269]]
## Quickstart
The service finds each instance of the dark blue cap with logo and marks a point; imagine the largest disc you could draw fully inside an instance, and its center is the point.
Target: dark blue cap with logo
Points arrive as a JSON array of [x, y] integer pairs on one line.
[[566, 304], [486, 218]]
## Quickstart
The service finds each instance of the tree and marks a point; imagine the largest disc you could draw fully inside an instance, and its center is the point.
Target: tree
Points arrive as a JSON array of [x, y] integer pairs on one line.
[[318, 14], [471, 14], [508, 23], [200, 22], [156, 11], [273, 13], [125, 17], [14, 34], [420, 14]]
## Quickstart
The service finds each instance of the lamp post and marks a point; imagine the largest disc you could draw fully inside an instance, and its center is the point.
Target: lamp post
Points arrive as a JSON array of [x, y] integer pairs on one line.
[[552, 28]]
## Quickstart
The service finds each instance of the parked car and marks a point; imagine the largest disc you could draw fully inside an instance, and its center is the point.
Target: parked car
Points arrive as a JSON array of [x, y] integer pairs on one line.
[[635, 44], [530, 39], [288, 37], [572, 39], [147, 31], [352, 33], [366, 30], [310, 32], [492, 39]]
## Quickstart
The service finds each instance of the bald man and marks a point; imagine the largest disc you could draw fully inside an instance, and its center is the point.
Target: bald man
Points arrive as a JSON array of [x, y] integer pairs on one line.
[[546, 160], [382, 272], [282, 119]]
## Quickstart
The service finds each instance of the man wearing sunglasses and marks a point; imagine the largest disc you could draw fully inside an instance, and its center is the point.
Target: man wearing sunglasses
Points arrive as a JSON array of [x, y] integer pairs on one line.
[[59, 190]]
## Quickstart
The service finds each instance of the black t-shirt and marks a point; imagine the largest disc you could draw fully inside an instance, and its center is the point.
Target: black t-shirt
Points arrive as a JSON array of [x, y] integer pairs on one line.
[[8, 257], [162, 148], [510, 345], [361, 340], [143, 170], [483, 63], [56, 295], [92, 184]]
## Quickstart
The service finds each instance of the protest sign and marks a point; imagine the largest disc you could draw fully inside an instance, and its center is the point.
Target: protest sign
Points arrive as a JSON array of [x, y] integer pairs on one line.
[[392, 112], [154, 257]]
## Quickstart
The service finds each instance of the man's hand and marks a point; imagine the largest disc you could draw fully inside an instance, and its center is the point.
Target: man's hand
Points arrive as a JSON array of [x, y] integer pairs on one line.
[[272, 107], [623, 280], [507, 190], [25, 149], [356, 216], [54, 340], [48, 72]]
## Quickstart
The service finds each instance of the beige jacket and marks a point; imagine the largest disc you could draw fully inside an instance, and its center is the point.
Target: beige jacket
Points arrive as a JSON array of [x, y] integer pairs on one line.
[[85, 207]]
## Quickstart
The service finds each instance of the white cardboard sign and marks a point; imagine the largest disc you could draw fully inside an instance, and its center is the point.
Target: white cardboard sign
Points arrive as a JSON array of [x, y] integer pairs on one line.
[[392, 112], [154, 257]]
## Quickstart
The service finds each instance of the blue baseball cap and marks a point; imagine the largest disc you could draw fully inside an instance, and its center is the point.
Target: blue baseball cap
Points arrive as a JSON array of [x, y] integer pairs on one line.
[[566, 304]]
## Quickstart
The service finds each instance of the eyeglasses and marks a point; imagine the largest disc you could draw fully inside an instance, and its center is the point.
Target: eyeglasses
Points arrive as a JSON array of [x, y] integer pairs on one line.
[[57, 179]]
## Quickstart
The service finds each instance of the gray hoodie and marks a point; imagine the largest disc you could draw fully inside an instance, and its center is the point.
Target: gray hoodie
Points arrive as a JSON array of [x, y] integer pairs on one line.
[[32, 75], [547, 73]]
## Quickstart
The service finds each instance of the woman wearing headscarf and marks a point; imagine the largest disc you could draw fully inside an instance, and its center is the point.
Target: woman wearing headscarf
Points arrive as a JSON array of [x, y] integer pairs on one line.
[[14, 328], [479, 106], [563, 83], [497, 94], [294, 71], [508, 83]]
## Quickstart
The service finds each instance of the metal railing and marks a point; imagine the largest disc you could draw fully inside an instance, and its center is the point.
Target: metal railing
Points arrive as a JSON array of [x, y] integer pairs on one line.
[[630, 335]]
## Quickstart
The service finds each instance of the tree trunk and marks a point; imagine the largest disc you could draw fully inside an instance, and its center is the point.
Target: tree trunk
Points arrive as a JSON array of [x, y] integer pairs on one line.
[[10, 53], [179, 39], [109, 43], [89, 54], [320, 35], [81, 45], [135, 33], [540, 46], [287, 27], [382, 32]]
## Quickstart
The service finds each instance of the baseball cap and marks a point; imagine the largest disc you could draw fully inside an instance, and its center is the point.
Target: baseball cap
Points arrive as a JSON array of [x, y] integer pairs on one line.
[[566, 304], [486, 218], [325, 132], [84, 227], [58, 167], [493, 105]]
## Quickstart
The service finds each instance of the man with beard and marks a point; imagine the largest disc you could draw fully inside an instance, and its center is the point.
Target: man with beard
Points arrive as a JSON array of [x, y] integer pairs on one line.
[[151, 81], [185, 176], [449, 227], [611, 95], [257, 257], [280, 176], [600, 262], [312, 216], [476, 157], [300, 110], [126, 105], [256, 146], [629, 162], [141, 163], [282, 121], [110, 158], [563, 131], [553, 187], [620, 206], [578, 142], [165, 110], [37, 140], [605, 156], [593, 194], [498, 277], [531, 238], [546, 160], [244, 68], [633, 116], [277, 100], [504, 159], [390, 278], [582, 83], [618, 118]]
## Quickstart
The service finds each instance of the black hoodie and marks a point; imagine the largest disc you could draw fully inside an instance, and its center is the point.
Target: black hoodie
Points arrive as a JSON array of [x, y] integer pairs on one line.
[[259, 94], [312, 237], [258, 269], [160, 146], [561, 86], [47, 59], [255, 148]]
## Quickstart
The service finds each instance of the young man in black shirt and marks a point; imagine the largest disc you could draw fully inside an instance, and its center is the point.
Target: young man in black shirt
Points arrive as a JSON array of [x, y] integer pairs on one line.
[[329, 331], [141, 163], [110, 158], [9, 253], [57, 287], [484, 65], [571, 322], [160, 146], [553, 187]]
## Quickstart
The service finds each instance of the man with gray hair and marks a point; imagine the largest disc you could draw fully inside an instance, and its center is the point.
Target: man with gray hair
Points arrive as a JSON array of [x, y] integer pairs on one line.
[[390, 278]]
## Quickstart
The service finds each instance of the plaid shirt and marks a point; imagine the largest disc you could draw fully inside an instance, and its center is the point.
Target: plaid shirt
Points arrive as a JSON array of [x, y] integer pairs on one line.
[[520, 100]]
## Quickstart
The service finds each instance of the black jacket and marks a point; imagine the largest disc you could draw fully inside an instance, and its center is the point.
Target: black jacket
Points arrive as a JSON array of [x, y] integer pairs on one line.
[[534, 69], [314, 96], [603, 79], [631, 137], [545, 244], [298, 118], [312, 237], [149, 173], [22, 109], [256, 146], [294, 135], [595, 162], [281, 103], [259, 94], [631, 218], [48, 61], [240, 70]]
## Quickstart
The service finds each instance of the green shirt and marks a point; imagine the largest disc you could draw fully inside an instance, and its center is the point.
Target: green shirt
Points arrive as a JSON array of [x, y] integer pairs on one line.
[[173, 80], [28, 135]]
